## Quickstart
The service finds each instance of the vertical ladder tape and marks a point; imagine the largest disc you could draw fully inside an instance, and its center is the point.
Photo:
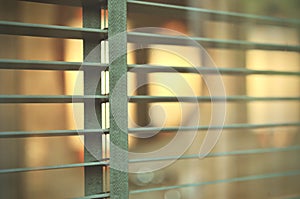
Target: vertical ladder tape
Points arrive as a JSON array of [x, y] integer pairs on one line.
[[117, 17]]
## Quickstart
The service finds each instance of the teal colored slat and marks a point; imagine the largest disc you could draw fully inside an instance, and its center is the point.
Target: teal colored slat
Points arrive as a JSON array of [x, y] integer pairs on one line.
[[220, 154], [42, 30], [51, 98], [70, 2], [52, 133], [207, 70], [60, 65], [96, 196], [193, 128], [214, 14], [152, 99], [150, 38], [117, 38], [20, 134], [65, 166], [230, 180], [15, 64]]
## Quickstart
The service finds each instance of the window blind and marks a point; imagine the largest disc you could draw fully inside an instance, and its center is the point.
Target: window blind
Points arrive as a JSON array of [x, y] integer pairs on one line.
[[106, 173]]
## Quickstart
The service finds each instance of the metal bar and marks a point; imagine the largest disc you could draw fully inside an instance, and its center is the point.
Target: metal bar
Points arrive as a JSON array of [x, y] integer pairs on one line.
[[51, 98], [15, 64], [141, 6], [93, 176], [219, 154], [42, 30], [207, 70], [27, 134], [150, 38], [117, 40], [70, 2], [193, 128], [153, 99], [230, 180], [102, 195], [65, 166]]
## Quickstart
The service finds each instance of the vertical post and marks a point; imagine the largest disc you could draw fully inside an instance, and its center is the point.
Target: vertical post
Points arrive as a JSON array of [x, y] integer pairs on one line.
[[117, 17], [92, 142]]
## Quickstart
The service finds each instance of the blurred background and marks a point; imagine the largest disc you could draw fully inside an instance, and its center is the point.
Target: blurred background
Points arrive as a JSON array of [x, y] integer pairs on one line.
[[60, 150]]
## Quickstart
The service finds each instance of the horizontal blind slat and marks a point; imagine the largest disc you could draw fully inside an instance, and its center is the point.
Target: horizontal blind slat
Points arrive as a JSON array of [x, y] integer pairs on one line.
[[219, 154], [141, 6], [70, 2], [146, 98], [21, 134], [48, 65], [65, 166], [230, 180], [151, 39], [227, 126], [50, 133], [96, 196], [54, 31], [140, 98], [207, 70], [61, 65], [51, 98]]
